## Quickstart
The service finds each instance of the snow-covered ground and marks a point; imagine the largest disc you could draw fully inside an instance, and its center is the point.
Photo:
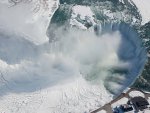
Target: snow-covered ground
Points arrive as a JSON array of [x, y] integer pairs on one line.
[[29, 18], [77, 96], [136, 93], [143, 7], [80, 14], [124, 100]]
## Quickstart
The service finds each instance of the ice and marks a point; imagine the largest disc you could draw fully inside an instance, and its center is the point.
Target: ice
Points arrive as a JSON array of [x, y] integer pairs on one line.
[[143, 7], [28, 18], [73, 74], [77, 73]]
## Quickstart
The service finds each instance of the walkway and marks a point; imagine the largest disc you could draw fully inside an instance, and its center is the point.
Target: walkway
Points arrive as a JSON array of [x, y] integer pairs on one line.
[[107, 107]]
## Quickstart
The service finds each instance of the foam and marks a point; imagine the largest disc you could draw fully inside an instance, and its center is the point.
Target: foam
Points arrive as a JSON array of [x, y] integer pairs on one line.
[[78, 72]]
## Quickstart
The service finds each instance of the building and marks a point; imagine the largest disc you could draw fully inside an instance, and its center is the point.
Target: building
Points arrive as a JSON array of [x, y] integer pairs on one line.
[[130, 101], [139, 103]]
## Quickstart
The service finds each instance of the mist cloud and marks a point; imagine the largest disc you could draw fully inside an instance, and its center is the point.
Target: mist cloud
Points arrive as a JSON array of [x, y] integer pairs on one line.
[[76, 53]]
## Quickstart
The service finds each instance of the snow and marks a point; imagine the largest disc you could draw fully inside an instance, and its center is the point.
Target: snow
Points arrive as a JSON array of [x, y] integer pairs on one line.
[[143, 7], [74, 22], [122, 101], [122, 1], [34, 80], [130, 1], [108, 13], [102, 111], [55, 77], [82, 10], [64, 76], [149, 99], [132, 94], [82, 13], [146, 111], [70, 97], [136, 93], [30, 19]]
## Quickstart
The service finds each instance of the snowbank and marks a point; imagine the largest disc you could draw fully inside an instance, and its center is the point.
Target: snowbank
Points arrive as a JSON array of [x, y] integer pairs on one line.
[[29, 18], [136, 93], [143, 7], [80, 14]]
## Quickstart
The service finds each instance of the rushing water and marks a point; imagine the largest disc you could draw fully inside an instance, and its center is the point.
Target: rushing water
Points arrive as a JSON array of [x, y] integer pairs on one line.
[[113, 54], [81, 68]]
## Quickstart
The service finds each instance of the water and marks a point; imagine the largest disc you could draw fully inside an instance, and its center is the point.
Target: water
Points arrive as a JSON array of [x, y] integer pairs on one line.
[[77, 71]]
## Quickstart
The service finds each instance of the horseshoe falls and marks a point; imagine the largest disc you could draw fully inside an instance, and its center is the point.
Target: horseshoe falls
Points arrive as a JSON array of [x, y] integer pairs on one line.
[[74, 69]]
